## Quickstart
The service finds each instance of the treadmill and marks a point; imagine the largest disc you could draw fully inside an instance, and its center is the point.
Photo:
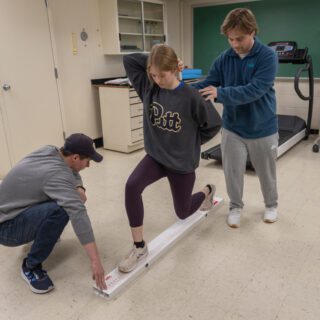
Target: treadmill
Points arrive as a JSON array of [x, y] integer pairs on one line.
[[292, 129]]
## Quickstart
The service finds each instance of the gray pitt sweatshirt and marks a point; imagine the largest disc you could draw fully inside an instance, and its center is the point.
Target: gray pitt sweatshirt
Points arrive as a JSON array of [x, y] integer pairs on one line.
[[44, 176], [175, 122]]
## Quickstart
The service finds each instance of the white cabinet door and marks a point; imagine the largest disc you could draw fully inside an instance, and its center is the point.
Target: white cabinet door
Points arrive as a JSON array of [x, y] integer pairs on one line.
[[5, 163], [30, 101]]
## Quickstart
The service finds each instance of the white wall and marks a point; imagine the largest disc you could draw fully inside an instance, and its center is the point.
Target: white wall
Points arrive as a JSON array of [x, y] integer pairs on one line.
[[289, 103], [173, 15], [80, 99]]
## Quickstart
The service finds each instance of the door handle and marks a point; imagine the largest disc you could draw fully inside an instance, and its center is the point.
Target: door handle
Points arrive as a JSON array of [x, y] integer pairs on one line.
[[6, 87]]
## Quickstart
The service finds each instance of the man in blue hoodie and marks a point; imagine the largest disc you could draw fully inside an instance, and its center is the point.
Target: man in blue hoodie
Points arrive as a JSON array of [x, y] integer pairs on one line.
[[242, 79]]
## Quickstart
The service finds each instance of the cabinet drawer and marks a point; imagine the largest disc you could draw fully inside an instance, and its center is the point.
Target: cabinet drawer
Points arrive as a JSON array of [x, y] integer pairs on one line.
[[136, 122], [136, 110], [134, 100], [133, 93], [137, 135]]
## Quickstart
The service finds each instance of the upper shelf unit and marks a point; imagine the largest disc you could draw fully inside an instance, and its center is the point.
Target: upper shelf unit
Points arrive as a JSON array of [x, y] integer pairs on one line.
[[131, 25]]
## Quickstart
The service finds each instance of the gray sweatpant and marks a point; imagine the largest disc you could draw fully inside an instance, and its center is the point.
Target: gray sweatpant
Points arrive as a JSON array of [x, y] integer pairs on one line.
[[263, 155]]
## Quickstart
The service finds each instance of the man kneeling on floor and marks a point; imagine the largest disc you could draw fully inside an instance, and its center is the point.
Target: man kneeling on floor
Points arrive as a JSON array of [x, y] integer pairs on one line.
[[38, 197]]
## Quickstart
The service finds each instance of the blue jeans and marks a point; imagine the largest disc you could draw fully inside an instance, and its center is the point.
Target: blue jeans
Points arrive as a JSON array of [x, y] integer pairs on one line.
[[42, 224]]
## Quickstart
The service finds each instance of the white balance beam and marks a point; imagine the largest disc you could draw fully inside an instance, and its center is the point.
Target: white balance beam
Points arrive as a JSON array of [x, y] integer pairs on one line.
[[117, 280]]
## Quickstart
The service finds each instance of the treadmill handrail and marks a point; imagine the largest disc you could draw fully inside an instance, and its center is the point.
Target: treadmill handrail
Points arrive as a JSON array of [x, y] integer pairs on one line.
[[308, 67], [296, 82]]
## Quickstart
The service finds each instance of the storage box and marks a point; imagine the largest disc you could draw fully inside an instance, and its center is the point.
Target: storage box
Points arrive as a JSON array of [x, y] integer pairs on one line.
[[191, 73]]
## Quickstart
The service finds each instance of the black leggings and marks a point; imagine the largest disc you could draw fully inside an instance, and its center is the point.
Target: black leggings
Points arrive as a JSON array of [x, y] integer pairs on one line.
[[149, 171]]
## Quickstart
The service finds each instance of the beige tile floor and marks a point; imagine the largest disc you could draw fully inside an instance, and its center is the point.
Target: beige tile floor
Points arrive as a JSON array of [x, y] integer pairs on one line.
[[259, 272]]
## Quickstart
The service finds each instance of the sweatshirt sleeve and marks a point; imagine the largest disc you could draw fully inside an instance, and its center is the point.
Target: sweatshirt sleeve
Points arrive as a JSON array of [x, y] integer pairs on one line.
[[136, 68], [61, 188], [209, 120], [261, 82], [78, 178]]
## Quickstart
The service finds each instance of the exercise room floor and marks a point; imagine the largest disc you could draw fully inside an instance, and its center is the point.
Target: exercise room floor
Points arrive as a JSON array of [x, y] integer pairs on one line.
[[259, 271]]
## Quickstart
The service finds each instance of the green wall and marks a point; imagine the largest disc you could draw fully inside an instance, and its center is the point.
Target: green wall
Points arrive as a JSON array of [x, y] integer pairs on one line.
[[278, 20]]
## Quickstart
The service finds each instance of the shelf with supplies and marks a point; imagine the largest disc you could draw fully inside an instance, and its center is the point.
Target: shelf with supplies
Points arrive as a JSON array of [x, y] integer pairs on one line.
[[129, 17], [131, 26], [130, 34], [153, 20], [154, 35], [121, 115]]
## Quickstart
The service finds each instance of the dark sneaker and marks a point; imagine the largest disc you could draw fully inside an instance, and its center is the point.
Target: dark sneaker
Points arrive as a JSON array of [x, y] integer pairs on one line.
[[38, 280]]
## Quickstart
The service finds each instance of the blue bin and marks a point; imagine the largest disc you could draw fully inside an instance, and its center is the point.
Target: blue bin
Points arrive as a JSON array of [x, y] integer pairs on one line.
[[191, 74]]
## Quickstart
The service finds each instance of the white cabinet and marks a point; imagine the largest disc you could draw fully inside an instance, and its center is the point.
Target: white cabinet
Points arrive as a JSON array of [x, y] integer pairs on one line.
[[122, 120], [131, 25]]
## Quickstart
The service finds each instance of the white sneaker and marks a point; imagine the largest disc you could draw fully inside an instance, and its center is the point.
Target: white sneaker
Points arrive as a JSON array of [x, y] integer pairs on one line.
[[132, 259], [207, 203], [233, 219], [270, 215]]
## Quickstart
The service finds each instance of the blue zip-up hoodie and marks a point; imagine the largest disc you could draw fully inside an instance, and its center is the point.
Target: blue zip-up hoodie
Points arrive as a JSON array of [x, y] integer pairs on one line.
[[245, 88]]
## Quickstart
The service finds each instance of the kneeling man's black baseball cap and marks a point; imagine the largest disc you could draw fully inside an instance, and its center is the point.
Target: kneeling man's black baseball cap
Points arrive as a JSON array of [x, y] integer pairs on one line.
[[79, 143]]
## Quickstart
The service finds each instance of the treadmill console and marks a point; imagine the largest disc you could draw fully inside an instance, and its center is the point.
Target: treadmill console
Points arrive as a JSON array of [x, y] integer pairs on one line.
[[288, 52]]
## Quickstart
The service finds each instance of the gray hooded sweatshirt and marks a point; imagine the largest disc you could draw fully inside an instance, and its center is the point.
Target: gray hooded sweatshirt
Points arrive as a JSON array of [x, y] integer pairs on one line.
[[44, 176], [175, 122]]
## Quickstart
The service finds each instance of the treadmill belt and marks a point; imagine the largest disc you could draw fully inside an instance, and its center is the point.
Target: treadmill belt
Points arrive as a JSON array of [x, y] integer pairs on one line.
[[289, 126]]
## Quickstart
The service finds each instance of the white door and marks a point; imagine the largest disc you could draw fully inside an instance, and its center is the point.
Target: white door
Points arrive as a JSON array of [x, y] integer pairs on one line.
[[30, 102], [5, 163]]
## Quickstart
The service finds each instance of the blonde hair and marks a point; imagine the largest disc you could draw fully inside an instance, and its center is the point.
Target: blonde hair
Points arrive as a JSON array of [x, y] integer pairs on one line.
[[242, 19], [163, 58]]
